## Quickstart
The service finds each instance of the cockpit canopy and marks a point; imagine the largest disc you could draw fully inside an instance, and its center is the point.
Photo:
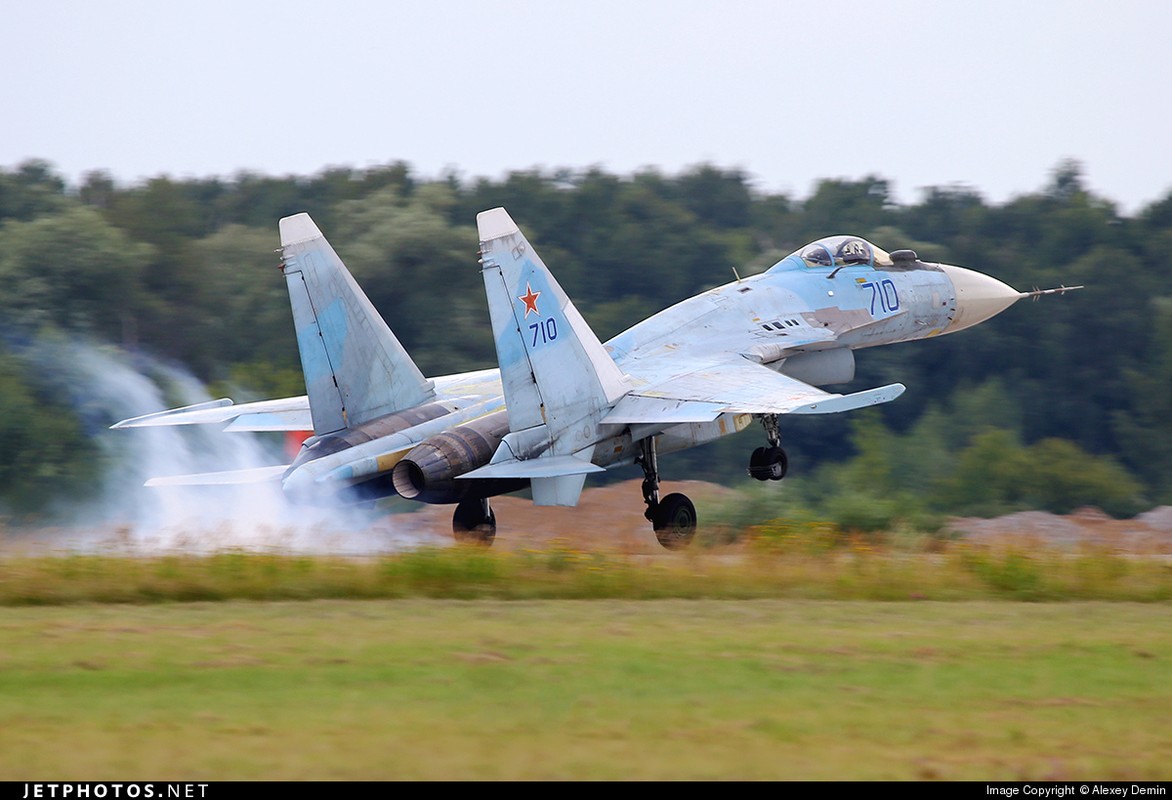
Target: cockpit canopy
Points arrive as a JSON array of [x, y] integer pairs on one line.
[[840, 251]]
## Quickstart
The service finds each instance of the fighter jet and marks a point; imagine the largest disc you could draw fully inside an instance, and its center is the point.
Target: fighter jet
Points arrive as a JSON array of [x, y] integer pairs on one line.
[[563, 404]]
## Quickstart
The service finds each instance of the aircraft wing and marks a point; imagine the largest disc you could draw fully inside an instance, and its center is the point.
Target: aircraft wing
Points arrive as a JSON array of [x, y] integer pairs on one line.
[[707, 392], [286, 414]]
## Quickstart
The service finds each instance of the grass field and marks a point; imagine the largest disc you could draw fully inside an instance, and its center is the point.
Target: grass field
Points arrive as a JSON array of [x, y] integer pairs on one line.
[[801, 654], [485, 690]]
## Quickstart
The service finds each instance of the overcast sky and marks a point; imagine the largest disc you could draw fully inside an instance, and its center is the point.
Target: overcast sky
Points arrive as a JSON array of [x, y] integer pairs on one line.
[[990, 94]]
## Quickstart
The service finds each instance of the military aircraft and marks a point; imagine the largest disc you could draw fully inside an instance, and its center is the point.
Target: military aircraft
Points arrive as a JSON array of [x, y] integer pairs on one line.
[[562, 404]]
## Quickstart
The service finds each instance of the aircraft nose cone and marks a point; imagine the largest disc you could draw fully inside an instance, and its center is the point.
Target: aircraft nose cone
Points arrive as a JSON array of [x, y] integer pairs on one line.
[[978, 297]]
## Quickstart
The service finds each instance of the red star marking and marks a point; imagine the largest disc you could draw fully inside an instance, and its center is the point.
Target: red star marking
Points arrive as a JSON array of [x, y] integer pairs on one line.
[[530, 300]]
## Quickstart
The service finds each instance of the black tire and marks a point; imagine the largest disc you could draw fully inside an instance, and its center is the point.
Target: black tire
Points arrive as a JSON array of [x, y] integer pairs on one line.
[[768, 464], [675, 521], [758, 466], [470, 526], [778, 463]]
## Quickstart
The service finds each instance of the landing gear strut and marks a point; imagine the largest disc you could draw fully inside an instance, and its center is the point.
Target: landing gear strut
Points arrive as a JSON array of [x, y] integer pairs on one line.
[[673, 517], [474, 522], [769, 463]]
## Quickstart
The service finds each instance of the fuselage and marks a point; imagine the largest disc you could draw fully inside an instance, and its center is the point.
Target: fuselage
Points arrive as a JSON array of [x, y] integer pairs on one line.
[[803, 317], [562, 404], [791, 309]]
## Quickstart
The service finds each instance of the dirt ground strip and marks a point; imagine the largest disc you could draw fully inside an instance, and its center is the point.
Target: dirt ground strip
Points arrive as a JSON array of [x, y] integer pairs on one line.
[[612, 516], [607, 517], [1150, 532]]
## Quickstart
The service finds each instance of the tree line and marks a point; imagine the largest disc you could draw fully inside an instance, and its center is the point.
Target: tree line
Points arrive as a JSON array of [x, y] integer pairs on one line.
[[1053, 405]]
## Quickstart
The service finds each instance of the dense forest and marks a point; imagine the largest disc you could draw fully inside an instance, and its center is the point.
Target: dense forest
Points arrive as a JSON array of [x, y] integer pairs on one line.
[[1055, 405]]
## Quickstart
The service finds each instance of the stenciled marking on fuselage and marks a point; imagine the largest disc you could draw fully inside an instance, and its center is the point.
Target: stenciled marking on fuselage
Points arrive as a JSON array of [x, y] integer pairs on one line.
[[885, 292]]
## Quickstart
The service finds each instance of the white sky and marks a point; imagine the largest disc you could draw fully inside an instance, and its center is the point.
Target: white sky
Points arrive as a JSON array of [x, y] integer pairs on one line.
[[990, 94]]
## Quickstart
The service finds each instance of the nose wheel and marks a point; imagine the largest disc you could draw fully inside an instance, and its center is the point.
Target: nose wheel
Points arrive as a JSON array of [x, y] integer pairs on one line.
[[673, 517], [769, 463]]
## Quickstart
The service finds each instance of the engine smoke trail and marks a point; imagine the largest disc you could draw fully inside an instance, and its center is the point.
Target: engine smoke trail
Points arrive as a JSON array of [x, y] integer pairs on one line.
[[103, 385]]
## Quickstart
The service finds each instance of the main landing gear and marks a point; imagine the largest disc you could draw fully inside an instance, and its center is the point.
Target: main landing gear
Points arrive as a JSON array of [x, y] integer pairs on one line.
[[769, 463], [673, 517], [474, 522]]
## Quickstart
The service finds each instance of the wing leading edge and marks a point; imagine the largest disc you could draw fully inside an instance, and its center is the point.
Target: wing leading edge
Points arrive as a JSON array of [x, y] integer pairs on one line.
[[707, 392], [285, 414]]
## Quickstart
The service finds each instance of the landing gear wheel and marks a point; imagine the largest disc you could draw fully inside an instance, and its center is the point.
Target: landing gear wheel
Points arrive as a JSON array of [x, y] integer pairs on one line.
[[768, 464], [474, 523], [674, 520]]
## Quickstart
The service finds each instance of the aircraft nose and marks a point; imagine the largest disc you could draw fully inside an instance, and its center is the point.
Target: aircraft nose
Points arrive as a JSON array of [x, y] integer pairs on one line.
[[978, 297]]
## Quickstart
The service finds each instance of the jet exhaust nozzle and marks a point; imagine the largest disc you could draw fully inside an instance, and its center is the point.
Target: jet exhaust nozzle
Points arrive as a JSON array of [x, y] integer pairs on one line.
[[428, 472]]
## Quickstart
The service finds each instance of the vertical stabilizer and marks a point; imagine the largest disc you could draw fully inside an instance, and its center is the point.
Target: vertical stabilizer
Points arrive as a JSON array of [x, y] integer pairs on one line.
[[557, 378], [355, 369]]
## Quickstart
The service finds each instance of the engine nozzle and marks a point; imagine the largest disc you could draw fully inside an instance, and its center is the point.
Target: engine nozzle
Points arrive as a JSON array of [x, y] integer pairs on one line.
[[428, 472]]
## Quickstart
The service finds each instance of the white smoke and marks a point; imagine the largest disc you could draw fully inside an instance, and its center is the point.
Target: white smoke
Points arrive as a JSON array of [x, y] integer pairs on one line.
[[105, 385]]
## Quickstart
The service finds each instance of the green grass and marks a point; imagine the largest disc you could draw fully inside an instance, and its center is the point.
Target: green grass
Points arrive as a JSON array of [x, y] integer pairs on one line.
[[763, 660], [610, 689], [782, 561]]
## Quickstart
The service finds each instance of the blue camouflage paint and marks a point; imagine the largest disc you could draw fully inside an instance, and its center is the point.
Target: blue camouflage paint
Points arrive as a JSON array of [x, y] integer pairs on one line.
[[512, 347], [548, 308], [314, 340]]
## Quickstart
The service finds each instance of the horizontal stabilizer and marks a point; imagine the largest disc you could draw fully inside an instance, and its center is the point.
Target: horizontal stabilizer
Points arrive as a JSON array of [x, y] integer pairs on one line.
[[544, 467], [235, 477]]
